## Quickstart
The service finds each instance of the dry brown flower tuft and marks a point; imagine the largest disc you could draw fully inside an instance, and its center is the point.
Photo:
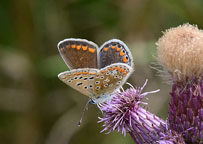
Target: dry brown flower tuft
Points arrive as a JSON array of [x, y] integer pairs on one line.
[[180, 51]]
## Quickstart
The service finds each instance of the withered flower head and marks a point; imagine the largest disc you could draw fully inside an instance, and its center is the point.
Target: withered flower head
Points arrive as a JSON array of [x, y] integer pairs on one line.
[[180, 52]]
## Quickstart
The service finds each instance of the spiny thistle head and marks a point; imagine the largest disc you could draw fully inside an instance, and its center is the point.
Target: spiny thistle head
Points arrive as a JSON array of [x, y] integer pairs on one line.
[[180, 52], [124, 113], [186, 110], [119, 112]]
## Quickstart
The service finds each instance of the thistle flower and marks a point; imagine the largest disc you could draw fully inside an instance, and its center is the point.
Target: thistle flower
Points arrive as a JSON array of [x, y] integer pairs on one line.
[[186, 110], [180, 52], [124, 113]]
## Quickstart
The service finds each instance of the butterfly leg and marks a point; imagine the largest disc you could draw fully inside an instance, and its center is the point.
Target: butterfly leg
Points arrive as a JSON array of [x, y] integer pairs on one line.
[[99, 105]]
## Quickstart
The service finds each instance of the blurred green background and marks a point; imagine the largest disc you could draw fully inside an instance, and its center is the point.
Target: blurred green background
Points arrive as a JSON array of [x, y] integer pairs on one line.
[[35, 106]]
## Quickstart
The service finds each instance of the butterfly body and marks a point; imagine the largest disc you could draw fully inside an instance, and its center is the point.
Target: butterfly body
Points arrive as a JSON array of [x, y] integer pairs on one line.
[[95, 72]]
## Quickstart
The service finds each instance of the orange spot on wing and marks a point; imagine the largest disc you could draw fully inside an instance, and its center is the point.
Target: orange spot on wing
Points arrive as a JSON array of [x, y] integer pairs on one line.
[[84, 48], [106, 49], [125, 73], [92, 50], [116, 68], [122, 53], [103, 71], [79, 73], [110, 69], [122, 70], [73, 46], [78, 47], [85, 72], [92, 73], [113, 47], [125, 60], [118, 49]]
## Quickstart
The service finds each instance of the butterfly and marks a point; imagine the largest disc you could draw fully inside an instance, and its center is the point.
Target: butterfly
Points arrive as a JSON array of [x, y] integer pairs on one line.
[[97, 72]]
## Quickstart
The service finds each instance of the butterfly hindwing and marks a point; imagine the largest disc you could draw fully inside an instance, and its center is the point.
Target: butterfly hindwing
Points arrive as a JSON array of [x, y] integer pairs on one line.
[[111, 78], [96, 83], [114, 51], [80, 79], [78, 53]]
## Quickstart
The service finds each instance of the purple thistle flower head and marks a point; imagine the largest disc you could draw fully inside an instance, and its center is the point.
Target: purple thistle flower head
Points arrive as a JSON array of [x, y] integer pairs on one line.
[[186, 110], [119, 111], [124, 113]]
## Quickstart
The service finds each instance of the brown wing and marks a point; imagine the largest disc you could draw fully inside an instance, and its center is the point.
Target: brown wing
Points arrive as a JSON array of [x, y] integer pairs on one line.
[[114, 51], [111, 78], [80, 79], [78, 53]]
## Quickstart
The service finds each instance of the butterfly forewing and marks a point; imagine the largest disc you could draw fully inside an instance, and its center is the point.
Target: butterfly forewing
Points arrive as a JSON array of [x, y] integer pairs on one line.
[[80, 79], [111, 78], [78, 53], [114, 51]]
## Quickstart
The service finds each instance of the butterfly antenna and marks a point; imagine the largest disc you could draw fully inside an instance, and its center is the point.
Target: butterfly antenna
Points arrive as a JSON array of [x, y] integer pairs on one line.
[[83, 112]]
